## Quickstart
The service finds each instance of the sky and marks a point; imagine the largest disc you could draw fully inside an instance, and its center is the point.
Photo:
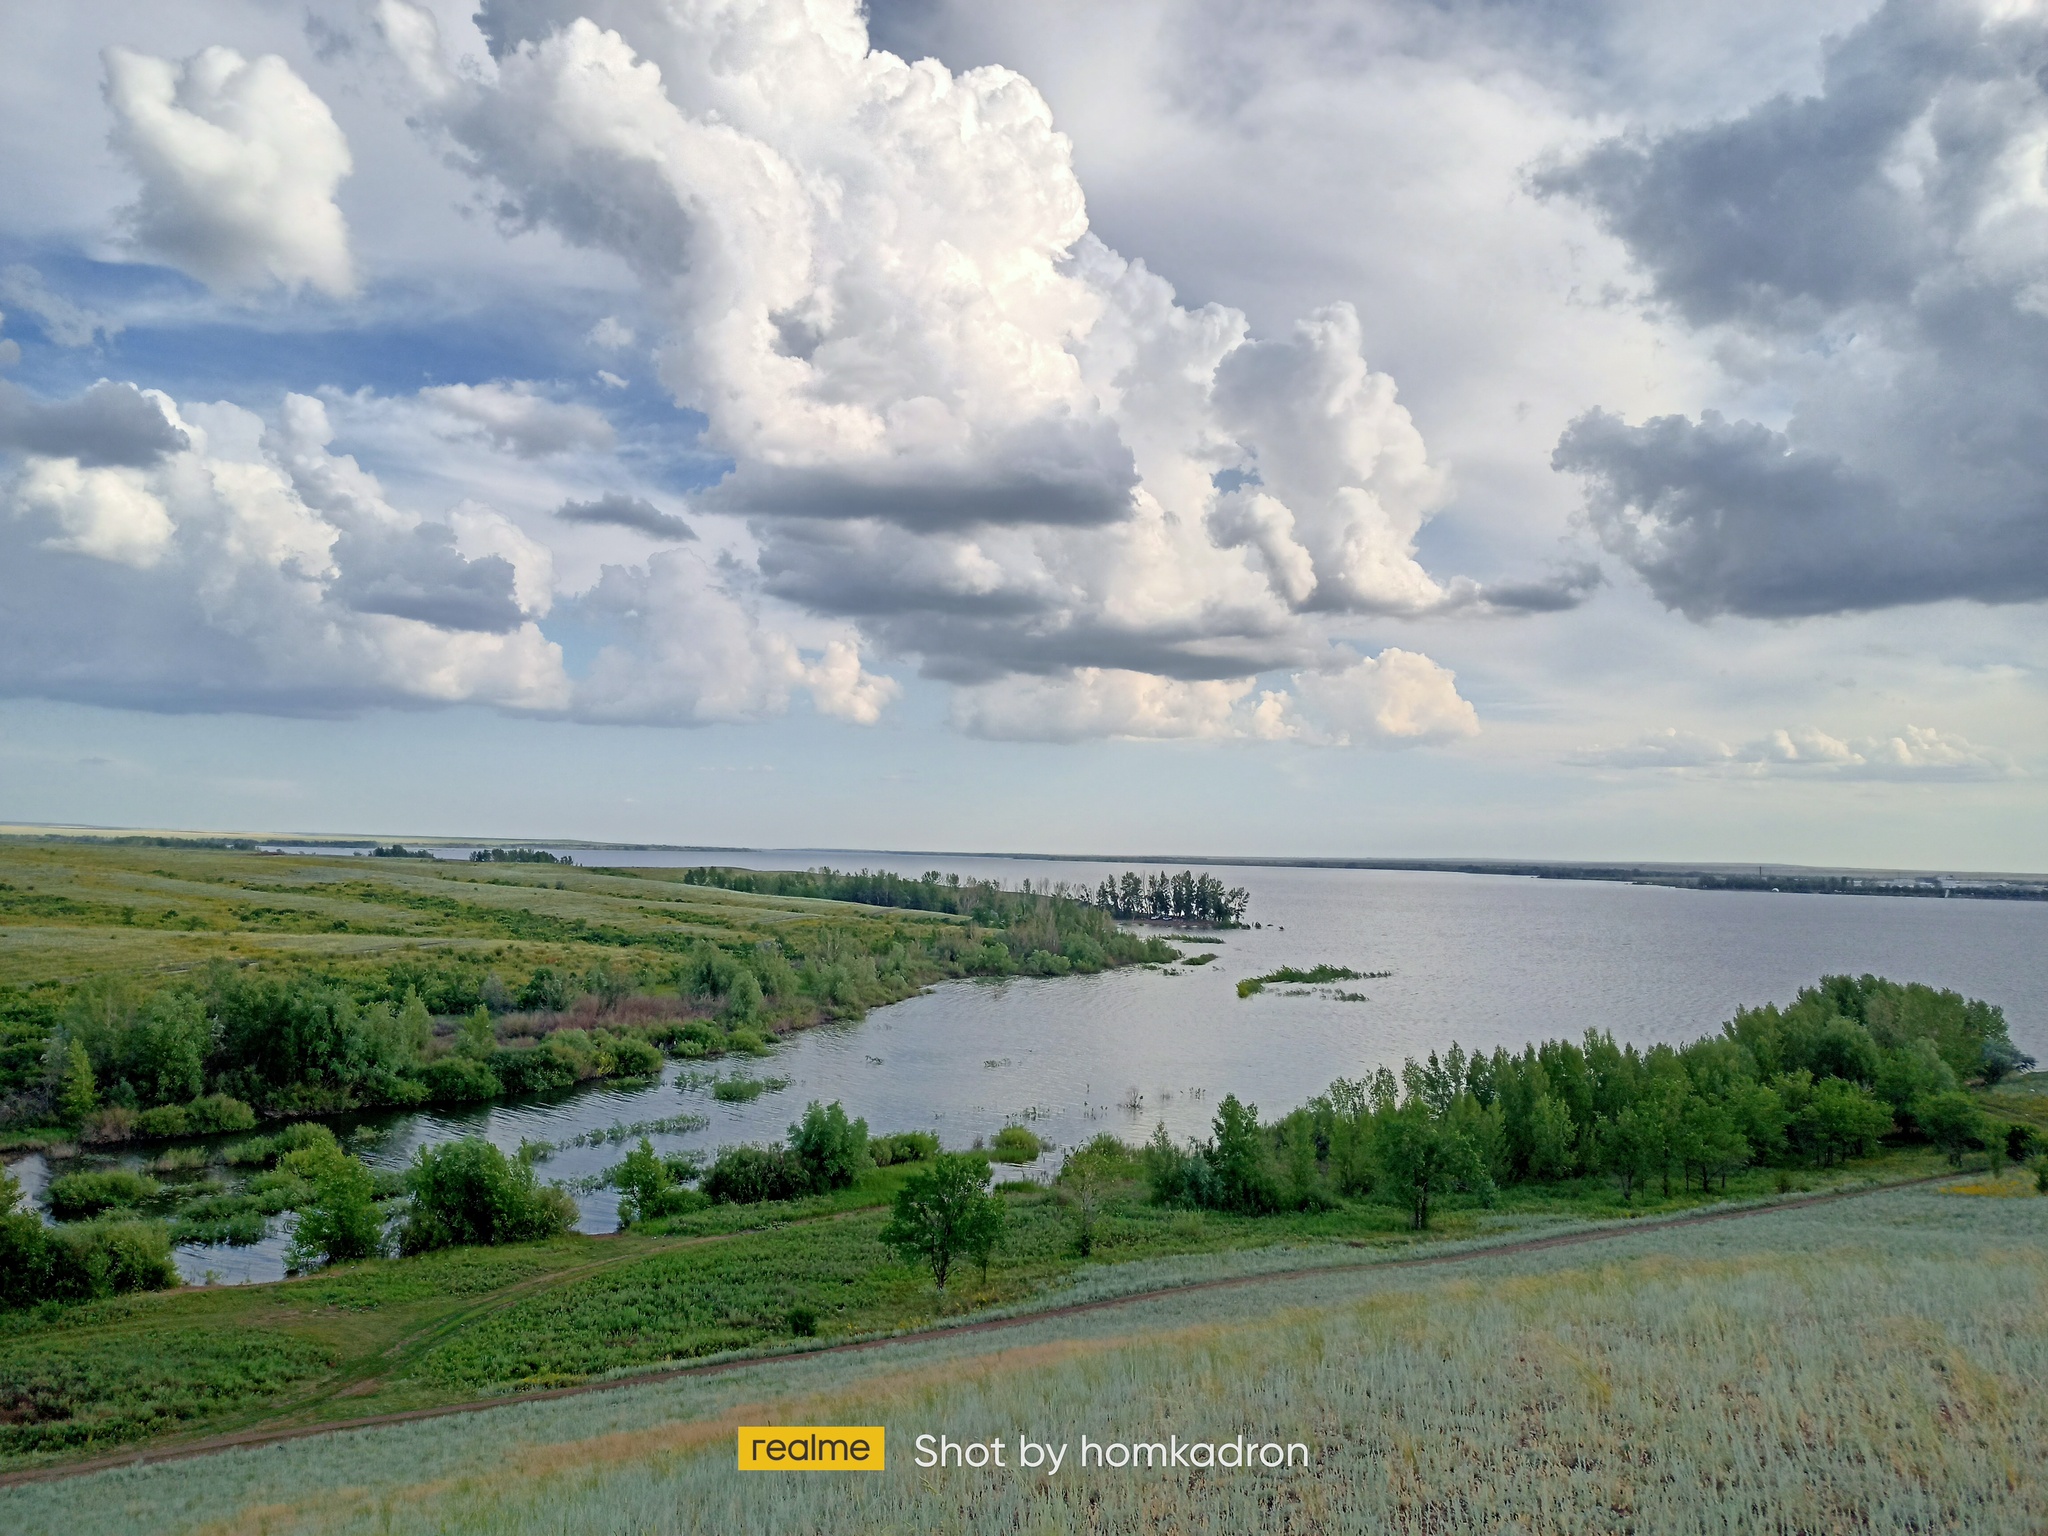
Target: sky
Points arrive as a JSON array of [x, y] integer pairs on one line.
[[1566, 429]]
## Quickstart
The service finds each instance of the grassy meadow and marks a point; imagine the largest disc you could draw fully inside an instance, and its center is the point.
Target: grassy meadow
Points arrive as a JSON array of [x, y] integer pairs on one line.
[[73, 910], [391, 1335], [1869, 1365]]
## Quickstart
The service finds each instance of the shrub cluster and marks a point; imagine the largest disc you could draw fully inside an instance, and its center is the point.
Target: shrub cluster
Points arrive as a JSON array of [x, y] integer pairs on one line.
[[1015, 1144], [825, 1151], [80, 1261], [468, 1192], [76, 1196], [902, 1147]]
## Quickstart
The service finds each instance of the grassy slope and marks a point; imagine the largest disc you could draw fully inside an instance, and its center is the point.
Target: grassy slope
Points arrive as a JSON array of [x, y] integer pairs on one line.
[[394, 1335], [1871, 1365], [68, 911]]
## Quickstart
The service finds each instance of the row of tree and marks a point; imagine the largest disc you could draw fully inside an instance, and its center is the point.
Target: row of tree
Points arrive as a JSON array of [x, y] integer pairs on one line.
[[1183, 898], [1849, 1062]]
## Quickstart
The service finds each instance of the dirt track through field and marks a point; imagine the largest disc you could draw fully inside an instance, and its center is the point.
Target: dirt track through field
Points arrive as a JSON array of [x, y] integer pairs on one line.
[[258, 1437]]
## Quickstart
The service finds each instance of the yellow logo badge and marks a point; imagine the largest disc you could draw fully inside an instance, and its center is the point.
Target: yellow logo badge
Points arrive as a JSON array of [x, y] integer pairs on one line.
[[811, 1448]]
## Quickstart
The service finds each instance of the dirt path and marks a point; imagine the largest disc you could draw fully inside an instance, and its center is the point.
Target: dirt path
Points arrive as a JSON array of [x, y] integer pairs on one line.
[[272, 1436]]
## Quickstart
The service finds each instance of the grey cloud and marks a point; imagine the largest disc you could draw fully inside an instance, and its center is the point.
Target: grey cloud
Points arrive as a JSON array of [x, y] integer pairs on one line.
[[1868, 253], [421, 575], [625, 511], [65, 323], [108, 424], [912, 600], [1558, 592], [1727, 517], [1794, 210], [1056, 471]]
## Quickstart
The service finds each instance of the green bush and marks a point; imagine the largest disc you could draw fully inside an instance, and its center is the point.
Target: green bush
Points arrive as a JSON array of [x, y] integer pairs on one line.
[[650, 1186], [831, 1149], [694, 1039], [531, 1071], [468, 1192], [903, 1147], [162, 1123], [256, 1152], [458, 1080], [338, 1219], [1015, 1144], [79, 1195], [217, 1114], [209, 1116], [79, 1262], [745, 1175], [302, 1136], [238, 1228], [634, 1057]]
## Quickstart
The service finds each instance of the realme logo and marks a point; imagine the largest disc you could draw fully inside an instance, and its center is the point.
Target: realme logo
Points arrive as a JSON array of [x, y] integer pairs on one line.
[[811, 1448]]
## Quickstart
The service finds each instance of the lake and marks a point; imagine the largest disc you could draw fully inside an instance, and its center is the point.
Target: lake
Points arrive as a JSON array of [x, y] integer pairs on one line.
[[1481, 959]]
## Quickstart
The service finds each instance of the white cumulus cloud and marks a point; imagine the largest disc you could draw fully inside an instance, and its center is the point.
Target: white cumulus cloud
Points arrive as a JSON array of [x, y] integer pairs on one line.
[[239, 161], [1915, 753], [955, 418]]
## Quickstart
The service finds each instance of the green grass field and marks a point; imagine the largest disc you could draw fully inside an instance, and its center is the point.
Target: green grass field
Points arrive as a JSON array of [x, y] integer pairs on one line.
[[403, 1334], [73, 910], [1870, 1365]]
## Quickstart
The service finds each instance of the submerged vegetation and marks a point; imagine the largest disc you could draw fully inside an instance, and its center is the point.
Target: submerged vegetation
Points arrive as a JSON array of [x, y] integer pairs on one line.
[[1315, 975]]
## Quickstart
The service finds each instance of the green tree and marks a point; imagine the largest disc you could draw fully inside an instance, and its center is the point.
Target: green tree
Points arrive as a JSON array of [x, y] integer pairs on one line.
[[476, 1038], [1710, 1141], [832, 1149], [1842, 1120], [1953, 1123], [1664, 1102], [1552, 1137], [1418, 1157], [1085, 1179], [340, 1221], [1913, 1072], [642, 1179], [941, 1213], [1629, 1145], [76, 1095], [982, 1234], [1241, 1160]]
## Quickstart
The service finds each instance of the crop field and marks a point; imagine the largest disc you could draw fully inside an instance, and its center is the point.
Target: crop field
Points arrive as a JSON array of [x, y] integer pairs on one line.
[[1870, 1365]]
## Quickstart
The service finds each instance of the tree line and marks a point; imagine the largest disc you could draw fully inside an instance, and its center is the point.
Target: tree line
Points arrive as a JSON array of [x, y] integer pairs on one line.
[[1183, 898], [1850, 1062]]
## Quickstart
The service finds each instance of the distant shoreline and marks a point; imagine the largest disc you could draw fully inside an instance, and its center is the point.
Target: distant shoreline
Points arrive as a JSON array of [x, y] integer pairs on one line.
[[1789, 879]]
